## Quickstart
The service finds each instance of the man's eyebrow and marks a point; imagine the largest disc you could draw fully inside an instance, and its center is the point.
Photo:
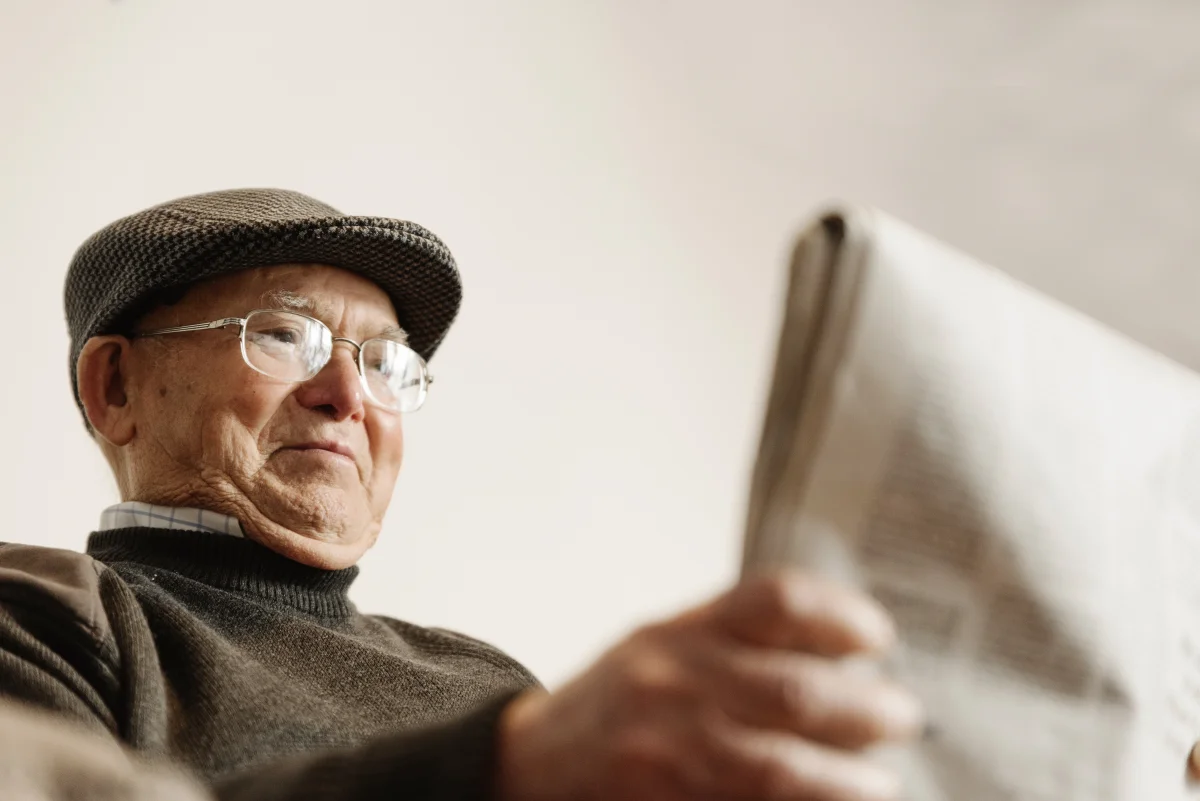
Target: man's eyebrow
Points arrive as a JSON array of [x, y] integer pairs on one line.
[[286, 299], [394, 332]]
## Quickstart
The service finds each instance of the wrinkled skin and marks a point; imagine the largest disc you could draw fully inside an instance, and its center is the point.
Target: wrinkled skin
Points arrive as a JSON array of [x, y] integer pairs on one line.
[[185, 422]]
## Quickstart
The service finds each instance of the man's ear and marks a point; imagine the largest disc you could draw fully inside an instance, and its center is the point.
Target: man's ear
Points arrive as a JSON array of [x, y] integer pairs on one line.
[[102, 376]]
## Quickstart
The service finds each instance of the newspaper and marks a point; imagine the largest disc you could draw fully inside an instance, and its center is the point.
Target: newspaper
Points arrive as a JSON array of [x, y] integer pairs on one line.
[[1020, 486]]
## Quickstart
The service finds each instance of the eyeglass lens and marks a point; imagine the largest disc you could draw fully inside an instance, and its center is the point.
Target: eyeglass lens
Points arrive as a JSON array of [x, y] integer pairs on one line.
[[293, 347]]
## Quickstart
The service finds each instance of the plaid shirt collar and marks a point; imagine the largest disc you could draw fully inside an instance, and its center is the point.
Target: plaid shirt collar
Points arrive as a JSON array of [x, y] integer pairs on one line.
[[136, 513]]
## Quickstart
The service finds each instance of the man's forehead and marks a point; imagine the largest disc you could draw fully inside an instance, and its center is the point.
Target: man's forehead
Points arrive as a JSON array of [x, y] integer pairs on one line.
[[321, 291], [313, 280], [280, 298], [322, 307]]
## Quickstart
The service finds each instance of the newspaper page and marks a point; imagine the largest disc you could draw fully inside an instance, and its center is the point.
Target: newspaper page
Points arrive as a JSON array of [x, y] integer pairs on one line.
[[1020, 486]]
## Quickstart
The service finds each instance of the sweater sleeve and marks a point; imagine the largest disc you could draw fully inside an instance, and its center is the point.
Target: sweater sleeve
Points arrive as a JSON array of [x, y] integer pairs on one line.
[[59, 732], [63, 707], [56, 652], [452, 762]]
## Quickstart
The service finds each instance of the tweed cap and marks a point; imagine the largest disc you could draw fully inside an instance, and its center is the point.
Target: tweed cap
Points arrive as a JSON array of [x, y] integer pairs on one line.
[[119, 271]]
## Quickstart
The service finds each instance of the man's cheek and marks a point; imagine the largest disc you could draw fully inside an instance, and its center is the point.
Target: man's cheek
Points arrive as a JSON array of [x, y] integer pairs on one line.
[[258, 419], [383, 481], [389, 467], [380, 499]]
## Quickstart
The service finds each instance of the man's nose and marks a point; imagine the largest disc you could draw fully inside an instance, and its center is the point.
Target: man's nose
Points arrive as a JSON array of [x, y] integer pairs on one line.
[[336, 391]]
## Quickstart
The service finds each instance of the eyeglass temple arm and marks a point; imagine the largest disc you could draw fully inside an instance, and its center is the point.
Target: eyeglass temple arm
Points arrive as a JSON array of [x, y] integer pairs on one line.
[[179, 329]]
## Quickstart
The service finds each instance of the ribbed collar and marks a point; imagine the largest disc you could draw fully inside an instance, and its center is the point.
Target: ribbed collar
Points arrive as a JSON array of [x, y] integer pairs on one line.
[[229, 563]]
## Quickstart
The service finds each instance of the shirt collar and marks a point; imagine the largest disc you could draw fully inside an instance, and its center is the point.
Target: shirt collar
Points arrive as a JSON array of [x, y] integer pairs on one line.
[[135, 513]]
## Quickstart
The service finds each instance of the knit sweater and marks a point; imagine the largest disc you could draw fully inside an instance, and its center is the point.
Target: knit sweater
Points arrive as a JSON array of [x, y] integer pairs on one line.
[[253, 672]]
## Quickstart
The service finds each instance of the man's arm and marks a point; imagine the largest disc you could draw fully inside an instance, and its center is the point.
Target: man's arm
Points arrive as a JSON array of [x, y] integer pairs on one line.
[[744, 697], [69, 723], [47, 756], [452, 762]]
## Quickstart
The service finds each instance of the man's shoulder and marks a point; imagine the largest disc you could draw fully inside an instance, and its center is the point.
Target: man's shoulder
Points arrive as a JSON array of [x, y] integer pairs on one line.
[[53, 583], [446, 641]]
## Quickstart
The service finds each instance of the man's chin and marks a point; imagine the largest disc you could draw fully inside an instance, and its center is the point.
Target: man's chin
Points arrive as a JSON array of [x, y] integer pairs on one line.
[[314, 527], [307, 549], [323, 555]]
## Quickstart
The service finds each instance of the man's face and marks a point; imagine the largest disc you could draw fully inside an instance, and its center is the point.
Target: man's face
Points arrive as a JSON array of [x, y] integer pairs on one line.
[[308, 467]]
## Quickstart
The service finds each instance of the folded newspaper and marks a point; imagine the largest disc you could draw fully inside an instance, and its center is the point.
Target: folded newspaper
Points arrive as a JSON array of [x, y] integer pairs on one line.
[[1020, 486]]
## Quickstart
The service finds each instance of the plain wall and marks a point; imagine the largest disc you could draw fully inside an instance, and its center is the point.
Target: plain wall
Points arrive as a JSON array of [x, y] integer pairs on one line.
[[620, 183]]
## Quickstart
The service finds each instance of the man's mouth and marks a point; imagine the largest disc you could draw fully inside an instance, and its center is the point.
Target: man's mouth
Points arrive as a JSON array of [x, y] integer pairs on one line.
[[337, 449]]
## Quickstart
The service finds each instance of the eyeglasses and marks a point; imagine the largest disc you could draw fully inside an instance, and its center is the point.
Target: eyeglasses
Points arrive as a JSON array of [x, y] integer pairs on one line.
[[295, 347]]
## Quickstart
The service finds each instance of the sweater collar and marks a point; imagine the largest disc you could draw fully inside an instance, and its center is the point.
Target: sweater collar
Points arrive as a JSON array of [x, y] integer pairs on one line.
[[230, 563]]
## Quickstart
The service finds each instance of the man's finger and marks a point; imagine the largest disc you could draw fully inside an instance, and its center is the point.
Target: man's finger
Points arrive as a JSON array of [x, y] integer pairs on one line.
[[747, 764], [802, 612], [811, 696]]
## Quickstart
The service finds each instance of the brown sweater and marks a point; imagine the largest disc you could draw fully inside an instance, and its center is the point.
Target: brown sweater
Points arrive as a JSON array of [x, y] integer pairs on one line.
[[253, 672]]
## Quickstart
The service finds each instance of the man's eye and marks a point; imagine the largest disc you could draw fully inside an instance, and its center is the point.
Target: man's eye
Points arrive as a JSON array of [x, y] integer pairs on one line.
[[280, 336]]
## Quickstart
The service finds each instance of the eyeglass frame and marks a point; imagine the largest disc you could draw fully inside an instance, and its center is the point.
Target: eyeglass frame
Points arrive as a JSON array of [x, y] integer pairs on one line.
[[240, 322]]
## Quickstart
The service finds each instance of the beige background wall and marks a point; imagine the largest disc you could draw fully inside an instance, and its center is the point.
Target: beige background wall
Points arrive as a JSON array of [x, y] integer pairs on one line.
[[619, 181]]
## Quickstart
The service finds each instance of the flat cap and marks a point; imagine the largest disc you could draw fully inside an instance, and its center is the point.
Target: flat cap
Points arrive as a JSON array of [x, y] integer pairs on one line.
[[118, 272]]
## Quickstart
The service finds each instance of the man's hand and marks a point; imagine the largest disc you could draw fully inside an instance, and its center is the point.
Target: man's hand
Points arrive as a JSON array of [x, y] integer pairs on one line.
[[742, 698]]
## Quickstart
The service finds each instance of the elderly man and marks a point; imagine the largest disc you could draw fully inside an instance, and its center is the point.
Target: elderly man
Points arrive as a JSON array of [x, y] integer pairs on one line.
[[244, 360]]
